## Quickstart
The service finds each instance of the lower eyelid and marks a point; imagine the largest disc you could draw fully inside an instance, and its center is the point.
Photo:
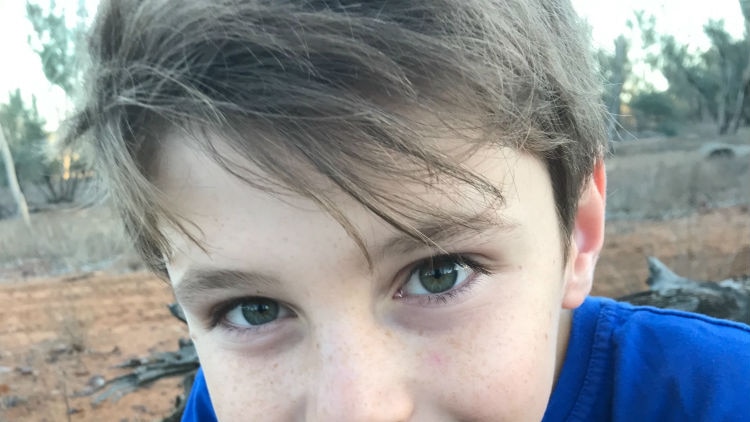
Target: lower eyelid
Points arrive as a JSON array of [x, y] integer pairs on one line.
[[245, 333], [255, 329]]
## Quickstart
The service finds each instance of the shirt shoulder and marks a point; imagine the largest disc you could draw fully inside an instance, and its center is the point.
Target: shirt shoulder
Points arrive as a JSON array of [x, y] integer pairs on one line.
[[680, 366], [198, 407], [626, 362]]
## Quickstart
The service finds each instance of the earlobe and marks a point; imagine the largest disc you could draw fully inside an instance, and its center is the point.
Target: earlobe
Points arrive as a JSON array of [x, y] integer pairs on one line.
[[587, 239]]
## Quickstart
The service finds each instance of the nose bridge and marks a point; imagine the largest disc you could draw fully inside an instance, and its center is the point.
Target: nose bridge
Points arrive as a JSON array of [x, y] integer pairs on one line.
[[360, 374]]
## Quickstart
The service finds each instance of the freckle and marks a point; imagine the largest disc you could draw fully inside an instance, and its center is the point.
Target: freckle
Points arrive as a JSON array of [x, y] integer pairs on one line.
[[436, 359]]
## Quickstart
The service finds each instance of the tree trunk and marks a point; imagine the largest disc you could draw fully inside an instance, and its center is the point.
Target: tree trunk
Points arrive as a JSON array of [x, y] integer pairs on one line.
[[705, 112], [15, 188], [739, 102], [722, 110], [618, 78]]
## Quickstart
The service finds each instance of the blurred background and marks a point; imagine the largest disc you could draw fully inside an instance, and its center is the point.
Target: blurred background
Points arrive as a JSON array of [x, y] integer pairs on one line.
[[74, 299]]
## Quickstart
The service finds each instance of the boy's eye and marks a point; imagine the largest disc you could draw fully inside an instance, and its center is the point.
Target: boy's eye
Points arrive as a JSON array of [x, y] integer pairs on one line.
[[436, 276], [255, 311]]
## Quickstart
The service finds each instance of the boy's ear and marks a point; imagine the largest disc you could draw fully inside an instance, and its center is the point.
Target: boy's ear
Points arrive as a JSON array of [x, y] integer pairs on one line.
[[587, 239]]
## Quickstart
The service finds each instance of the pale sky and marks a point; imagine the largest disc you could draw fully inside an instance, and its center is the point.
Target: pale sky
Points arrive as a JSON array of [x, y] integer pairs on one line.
[[682, 18]]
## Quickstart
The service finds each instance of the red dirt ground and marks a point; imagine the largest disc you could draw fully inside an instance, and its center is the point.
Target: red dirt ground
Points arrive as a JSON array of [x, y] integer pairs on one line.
[[56, 334]]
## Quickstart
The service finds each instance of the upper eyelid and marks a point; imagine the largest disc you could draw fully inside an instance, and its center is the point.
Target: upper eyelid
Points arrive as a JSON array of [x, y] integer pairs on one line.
[[459, 258], [462, 246], [437, 233]]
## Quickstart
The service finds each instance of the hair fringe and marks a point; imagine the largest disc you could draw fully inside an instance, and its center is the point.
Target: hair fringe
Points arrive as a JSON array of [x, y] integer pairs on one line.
[[334, 86]]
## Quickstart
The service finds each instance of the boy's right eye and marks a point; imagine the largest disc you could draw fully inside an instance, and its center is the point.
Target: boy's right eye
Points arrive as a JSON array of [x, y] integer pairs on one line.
[[253, 312]]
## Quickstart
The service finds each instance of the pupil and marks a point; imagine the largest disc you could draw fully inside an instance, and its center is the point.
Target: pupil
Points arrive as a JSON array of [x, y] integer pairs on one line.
[[438, 279], [260, 311]]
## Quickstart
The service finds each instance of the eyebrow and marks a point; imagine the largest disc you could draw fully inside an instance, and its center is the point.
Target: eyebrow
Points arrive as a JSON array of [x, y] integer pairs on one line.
[[437, 233], [197, 282]]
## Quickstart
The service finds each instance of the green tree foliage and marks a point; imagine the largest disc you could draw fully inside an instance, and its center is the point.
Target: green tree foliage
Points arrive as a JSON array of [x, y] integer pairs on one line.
[[655, 110], [59, 45], [704, 84], [57, 176], [741, 103], [615, 70], [689, 79], [24, 131], [726, 61]]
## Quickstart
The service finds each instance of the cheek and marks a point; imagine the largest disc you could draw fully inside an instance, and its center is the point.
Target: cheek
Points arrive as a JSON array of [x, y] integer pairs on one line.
[[436, 360], [502, 369], [247, 389]]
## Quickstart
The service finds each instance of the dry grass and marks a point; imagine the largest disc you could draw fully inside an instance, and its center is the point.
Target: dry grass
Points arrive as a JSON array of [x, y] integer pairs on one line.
[[72, 331], [667, 178], [64, 241], [671, 185]]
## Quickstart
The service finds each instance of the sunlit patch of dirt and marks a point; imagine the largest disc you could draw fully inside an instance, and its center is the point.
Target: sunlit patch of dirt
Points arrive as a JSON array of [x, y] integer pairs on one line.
[[712, 245], [58, 336]]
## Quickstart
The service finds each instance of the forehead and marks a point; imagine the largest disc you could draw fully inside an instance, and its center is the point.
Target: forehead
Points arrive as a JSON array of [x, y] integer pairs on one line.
[[225, 208], [190, 166], [444, 168]]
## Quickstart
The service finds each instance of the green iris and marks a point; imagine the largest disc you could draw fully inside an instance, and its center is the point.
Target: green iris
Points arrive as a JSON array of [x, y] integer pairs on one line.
[[260, 311], [438, 277]]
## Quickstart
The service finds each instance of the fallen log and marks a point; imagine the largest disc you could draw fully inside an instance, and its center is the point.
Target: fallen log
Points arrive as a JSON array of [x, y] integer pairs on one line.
[[145, 371], [725, 299]]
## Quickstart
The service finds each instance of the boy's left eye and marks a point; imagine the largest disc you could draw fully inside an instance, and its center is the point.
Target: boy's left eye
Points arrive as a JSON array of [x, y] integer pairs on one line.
[[437, 276]]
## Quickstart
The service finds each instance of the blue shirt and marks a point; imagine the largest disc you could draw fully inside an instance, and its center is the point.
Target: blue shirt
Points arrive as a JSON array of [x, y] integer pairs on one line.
[[198, 407], [627, 363]]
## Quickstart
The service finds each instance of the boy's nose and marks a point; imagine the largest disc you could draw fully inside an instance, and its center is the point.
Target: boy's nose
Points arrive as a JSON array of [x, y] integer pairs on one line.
[[360, 377]]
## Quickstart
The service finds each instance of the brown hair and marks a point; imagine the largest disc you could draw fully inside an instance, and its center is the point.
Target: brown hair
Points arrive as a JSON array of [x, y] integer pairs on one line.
[[334, 85]]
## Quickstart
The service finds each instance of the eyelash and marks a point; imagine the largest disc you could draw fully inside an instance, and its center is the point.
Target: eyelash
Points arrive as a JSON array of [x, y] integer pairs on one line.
[[452, 294], [217, 315]]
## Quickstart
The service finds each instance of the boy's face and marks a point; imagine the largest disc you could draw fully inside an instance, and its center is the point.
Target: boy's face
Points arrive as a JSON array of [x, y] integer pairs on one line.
[[291, 323]]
